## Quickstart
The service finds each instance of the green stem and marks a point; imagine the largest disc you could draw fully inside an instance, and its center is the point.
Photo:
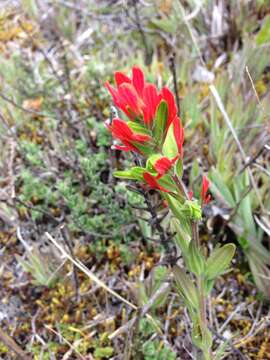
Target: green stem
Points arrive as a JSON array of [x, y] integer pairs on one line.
[[207, 352], [202, 298]]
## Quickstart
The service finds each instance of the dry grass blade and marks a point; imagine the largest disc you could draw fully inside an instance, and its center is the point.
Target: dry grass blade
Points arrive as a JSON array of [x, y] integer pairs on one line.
[[72, 347], [254, 88], [143, 311], [264, 224], [92, 276]]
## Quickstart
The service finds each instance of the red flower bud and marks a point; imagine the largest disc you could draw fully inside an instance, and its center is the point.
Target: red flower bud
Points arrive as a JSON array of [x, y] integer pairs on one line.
[[168, 96], [138, 80], [178, 131], [121, 131], [151, 100], [153, 183], [205, 185], [163, 165]]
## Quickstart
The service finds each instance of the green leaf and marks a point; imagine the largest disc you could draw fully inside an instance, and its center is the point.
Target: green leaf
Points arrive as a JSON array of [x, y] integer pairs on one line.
[[221, 350], [135, 173], [263, 35], [182, 237], [169, 25], [104, 352], [192, 210], [145, 148], [160, 121], [175, 205], [219, 261], [150, 162], [195, 260], [167, 182], [186, 287], [138, 128], [208, 286], [202, 339], [179, 168], [170, 148], [220, 188]]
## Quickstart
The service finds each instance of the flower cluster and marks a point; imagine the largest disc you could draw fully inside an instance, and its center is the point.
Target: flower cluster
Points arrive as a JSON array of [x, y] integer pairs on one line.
[[153, 130]]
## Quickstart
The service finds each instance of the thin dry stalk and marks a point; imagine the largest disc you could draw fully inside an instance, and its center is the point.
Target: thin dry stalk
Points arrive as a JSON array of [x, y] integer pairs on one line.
[[94, 278], [13, 346]]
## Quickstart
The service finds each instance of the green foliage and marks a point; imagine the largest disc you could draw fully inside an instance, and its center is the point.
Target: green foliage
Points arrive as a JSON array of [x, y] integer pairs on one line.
[[104, 352], [195, 259], [263, 35], [42, 270], [169, 148], [33, 153], [152, 351], [148, 288], [186, 288], [160, 121], [134, 173], [182, 235], [219, 261]]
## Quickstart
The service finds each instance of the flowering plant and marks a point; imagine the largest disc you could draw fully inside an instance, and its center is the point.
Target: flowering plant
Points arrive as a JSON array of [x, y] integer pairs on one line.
[[155, 132]]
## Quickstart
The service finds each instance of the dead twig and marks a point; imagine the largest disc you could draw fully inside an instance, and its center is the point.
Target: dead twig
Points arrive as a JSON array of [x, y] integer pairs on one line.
[[13, 346], [163, 288], [148, 52], [173, 71], [253, 159], [230, 344]]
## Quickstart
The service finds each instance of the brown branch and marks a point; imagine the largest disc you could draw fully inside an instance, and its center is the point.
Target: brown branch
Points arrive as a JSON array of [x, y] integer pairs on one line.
[[173, 71]]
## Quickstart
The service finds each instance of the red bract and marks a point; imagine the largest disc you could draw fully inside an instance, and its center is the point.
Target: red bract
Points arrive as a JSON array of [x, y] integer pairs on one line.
[[128, 95], [151, 100], [121, 78], [190, 194], [129, 98], [153, 183], [167, 95], [138, 80], [163, 165], [126, 98], [121, 131], [205, 185], [178, 131]]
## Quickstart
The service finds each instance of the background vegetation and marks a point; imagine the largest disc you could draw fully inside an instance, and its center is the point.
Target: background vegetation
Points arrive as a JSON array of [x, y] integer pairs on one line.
[[57, 165]]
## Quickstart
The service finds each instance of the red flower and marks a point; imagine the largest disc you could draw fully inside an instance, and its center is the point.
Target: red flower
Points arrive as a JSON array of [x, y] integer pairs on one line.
[[205, 185], [126, 98], [190, 194], [178, 131], [121, 131], [138, 80], [136, 98], [121, 78], [128, 95], [163, 165], [130, 100], [153, 183], [151, 100], [168, 96]]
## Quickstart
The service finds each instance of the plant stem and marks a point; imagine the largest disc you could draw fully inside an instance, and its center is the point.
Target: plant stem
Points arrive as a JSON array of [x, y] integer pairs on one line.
[[202, 298], [207, 353]]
